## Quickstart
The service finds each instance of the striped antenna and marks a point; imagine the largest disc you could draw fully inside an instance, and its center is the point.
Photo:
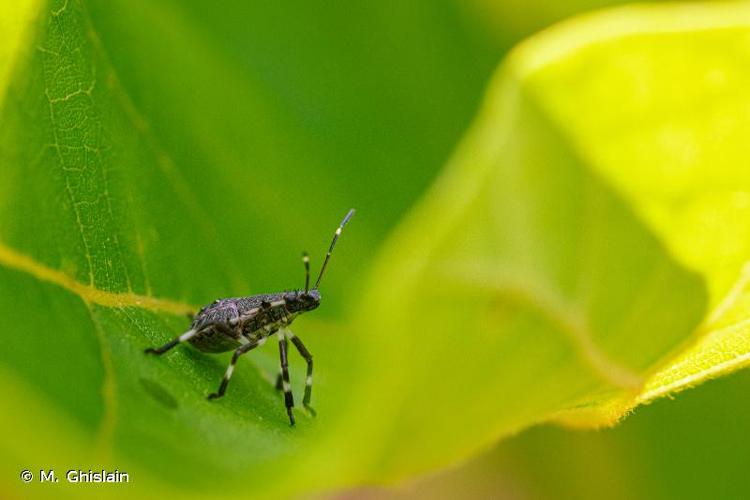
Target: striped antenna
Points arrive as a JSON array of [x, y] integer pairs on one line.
[[306, 261], [333, 244]]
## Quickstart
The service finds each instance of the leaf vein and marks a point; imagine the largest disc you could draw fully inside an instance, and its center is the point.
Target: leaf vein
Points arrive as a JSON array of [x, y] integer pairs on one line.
[[567, 319], [91, 295]]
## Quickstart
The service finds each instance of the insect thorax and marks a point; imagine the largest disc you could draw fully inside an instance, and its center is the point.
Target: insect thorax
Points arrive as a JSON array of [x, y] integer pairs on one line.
[[226, 323]]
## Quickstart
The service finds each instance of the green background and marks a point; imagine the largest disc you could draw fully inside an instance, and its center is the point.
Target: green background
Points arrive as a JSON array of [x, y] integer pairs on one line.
[[537, 236]]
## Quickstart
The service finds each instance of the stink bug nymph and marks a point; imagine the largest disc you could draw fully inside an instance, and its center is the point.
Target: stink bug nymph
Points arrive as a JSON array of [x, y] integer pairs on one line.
[[244, 323]]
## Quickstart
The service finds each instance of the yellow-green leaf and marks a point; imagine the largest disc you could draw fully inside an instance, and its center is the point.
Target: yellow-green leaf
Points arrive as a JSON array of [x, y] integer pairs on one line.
[[556, 270], [673, 143]]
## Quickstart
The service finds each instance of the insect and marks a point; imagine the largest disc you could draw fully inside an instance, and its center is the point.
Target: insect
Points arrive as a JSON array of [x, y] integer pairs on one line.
[[244, 323]]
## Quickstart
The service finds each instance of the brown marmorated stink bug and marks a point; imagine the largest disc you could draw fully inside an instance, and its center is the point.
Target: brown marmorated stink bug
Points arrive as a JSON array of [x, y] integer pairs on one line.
[[244, 323]]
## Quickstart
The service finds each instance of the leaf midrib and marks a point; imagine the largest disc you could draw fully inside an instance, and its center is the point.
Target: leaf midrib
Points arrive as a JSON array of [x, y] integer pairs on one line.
[[14, 259]]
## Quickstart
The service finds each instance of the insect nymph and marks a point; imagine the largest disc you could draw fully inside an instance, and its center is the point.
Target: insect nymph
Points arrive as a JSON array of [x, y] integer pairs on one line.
[[244, 323]]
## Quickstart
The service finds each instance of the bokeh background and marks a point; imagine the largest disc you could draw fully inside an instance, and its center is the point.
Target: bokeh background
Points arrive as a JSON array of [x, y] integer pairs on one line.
[[270, 120], [693, 446]]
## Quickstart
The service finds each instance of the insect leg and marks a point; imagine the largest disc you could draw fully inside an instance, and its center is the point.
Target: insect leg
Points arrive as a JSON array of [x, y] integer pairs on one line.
[[288, 397], [182, 338], [279, 384], [308, 358], [230, 369]]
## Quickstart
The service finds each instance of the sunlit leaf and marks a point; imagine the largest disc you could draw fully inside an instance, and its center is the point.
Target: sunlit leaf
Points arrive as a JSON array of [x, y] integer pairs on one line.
[[157, 156], [554, 272], [673, 143]]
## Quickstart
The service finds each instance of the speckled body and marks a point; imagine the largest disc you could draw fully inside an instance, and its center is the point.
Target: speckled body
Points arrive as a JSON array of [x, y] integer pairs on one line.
[[226, 324]]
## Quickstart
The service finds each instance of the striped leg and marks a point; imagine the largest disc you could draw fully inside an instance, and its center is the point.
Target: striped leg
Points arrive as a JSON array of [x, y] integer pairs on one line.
[[230, 369], [182, 338], [308, 379], [288, 397]]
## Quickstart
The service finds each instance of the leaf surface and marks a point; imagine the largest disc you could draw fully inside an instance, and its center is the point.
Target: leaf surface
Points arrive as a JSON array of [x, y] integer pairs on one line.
[[154, 162]]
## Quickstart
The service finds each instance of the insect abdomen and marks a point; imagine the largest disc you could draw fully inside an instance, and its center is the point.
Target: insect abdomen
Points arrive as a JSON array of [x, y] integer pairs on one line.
[[218, 338], [212, 340]]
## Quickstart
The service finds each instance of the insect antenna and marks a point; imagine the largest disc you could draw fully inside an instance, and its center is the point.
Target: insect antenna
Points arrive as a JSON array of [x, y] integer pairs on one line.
[[333, 244], [306, 261]]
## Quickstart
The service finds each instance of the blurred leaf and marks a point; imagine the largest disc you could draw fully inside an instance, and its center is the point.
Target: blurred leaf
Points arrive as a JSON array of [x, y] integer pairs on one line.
[[523, 289], [506, 22], [673, 143], [162, 163], [692, 446], [15, 20]]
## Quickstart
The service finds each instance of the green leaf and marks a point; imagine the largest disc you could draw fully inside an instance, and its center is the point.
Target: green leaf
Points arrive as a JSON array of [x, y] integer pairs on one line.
[[148, 169], [569, 239], [528, 286], [158, 156], [673, 145]]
